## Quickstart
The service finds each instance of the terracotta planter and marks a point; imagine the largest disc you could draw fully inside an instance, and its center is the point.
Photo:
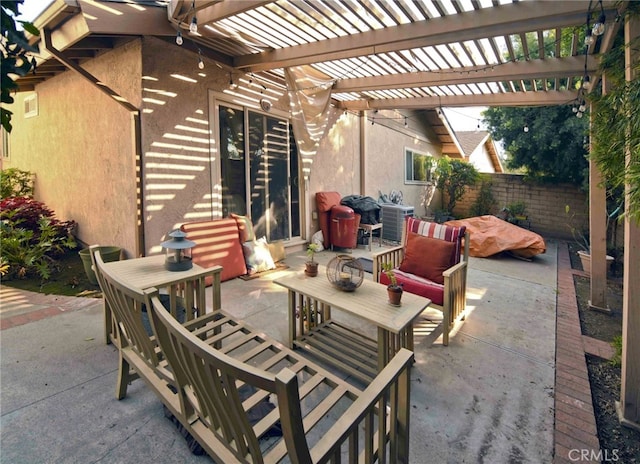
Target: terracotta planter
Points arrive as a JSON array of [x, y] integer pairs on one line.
[[311, 268], [585, 259], [395, 295]]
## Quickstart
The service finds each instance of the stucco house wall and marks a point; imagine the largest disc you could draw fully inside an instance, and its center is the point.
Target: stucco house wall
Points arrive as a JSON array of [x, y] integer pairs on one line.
[[386, 142], [90, 175], [79, 146], [481, 159]]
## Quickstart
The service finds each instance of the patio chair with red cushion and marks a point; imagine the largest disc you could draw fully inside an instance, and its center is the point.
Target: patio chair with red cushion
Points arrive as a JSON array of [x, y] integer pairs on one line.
[[431, 261]]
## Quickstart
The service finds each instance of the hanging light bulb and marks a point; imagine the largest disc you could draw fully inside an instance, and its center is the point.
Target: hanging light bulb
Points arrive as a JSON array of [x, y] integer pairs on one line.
[[598, 27], [574, 109], [589, 39], [582, 107], [200, 62], [525, 128], [179, 39], [579, 114], [193, 27], [586, 82]]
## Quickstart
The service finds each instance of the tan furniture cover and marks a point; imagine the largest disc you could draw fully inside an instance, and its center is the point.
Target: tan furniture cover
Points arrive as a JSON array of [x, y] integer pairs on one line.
[[490, 235]]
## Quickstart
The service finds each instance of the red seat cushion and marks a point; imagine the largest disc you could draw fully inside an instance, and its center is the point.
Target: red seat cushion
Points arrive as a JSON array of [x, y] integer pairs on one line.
[[417, 285]]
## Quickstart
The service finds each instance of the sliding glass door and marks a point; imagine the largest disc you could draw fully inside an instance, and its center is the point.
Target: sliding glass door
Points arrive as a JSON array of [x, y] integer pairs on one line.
[[259, 171]]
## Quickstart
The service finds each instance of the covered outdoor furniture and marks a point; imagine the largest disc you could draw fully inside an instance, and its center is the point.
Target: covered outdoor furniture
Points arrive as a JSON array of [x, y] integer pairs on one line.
[[430, 261], [491, 235]]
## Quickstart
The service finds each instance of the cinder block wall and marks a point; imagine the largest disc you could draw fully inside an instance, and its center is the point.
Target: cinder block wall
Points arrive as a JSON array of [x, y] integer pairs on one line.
[[545, 204]]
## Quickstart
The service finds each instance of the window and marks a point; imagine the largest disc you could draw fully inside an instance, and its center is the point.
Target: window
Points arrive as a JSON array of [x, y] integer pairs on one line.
[[31, 106], [5, 143], [418, 167]]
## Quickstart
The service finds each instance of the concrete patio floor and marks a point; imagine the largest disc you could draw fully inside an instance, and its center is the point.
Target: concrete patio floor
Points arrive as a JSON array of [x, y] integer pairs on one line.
[[487, 397]]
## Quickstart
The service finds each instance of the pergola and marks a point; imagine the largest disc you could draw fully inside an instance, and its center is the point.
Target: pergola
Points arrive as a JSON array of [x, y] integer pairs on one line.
[[397, 55]]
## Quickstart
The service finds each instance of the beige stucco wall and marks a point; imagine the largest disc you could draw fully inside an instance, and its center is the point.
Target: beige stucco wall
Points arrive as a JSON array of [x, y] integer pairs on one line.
[[80, 147], [481, 159], [339, 165], [90, 174], [178, 138], [386, 141]]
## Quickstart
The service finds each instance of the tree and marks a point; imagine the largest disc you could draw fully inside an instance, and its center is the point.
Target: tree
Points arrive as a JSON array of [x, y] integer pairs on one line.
[[548, 141], [616, 124], [15, 58], [454, 176]]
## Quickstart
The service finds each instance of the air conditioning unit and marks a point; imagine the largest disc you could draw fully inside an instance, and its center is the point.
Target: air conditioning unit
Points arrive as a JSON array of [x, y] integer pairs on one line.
[[392, 218]]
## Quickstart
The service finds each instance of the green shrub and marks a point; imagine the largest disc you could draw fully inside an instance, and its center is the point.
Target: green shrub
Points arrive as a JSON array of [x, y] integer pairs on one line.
[[16, 183], [31, 238], [485, 203], [616, 360]]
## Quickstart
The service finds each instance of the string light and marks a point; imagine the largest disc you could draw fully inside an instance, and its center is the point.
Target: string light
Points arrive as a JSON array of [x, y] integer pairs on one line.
[[193, 27], [179, 39], [588, 38], [525, 128], [200, 61], [598, 27]]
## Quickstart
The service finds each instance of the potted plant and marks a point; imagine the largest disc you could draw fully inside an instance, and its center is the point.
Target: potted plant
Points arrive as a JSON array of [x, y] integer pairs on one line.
[[394, 290], [311, 266], [581, 239]]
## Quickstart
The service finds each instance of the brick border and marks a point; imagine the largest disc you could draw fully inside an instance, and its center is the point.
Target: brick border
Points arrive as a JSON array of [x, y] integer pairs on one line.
[[575, 424]]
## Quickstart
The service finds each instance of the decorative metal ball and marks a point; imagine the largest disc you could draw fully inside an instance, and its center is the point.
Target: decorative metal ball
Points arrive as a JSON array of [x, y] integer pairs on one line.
[[345, 273]]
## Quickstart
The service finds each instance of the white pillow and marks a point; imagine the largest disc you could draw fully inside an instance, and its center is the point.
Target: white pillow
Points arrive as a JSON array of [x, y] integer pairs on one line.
[[257, 256]]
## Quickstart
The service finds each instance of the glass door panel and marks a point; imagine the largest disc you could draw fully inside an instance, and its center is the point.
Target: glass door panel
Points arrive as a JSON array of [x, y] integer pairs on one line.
[[232, 161]]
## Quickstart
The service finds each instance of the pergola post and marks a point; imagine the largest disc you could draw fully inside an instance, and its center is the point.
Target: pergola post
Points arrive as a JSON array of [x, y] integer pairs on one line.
[[629, 405], [597, 232]]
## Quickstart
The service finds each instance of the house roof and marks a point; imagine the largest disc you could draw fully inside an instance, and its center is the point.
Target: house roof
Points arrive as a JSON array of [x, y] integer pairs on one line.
[[378, 54], [470, 140]]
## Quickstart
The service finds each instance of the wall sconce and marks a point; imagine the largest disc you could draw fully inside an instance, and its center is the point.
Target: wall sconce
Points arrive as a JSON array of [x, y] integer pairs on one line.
[[178, 251]]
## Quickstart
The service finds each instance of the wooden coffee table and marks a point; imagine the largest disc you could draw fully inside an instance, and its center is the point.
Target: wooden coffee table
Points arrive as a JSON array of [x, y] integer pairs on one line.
[[311, 301]]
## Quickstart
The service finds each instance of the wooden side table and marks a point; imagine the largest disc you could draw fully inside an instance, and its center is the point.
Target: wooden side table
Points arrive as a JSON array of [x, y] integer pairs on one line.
[[150, 272], [369, 228]]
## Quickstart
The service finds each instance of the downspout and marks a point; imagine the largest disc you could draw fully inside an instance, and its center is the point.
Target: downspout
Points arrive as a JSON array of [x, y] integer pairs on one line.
[[135, 128]]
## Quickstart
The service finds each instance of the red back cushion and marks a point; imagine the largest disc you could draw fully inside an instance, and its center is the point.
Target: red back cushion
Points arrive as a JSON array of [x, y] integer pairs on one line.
[[217, 242], [327, 200], [440, 231], [427, 257]]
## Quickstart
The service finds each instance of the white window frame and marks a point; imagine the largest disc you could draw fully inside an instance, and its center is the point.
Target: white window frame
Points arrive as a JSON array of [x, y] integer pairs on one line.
[[31, 102], [408, 167]]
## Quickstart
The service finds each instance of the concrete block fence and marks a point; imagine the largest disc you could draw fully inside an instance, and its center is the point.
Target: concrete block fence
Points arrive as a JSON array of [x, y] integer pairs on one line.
[[545, 204]]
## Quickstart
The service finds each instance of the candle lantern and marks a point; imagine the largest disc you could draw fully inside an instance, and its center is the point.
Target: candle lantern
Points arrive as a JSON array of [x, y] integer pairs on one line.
[[345, 273], [178, 251]]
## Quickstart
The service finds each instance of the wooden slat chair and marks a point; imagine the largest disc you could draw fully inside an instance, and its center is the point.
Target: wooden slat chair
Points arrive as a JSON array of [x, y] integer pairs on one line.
[[417, 274], [321, 416], [139, 354]]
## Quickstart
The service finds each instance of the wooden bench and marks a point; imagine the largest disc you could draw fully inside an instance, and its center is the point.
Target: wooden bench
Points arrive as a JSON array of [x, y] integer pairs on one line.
[[212, 372]]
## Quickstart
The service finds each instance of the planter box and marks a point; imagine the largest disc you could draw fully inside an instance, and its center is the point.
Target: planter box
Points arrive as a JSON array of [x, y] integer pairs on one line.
[[585, 258]]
